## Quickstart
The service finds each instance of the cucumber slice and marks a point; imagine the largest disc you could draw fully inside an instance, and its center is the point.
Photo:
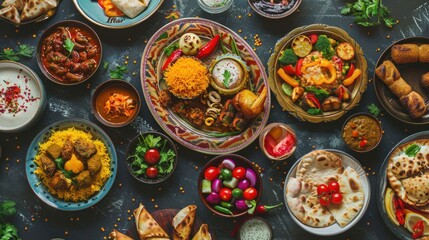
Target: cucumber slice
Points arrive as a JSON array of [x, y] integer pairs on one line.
[[206, 186], [231, 183]]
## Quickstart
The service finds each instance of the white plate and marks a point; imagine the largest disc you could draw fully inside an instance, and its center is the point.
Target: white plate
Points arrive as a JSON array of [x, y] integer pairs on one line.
[[348, 161], [32, 101]]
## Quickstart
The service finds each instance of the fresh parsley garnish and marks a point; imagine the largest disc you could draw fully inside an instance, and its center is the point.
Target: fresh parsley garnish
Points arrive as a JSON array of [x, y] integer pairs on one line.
[[23, 50], [118, 72], [369, 13], [105, 65], [374, 110], [226, 77], [170, 49], [68, 45], [314, 111], [412, 150], [60, 165], [319, 92], [7, 230]]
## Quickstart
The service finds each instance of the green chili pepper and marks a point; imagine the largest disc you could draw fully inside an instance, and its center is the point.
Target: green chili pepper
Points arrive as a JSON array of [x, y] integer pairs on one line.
[[223, 210], [234, 47], [226, 205]]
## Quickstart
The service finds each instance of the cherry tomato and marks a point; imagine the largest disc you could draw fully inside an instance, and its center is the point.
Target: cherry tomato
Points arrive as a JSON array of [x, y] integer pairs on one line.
[[334, 187], [250, 193], [152, 156], [225, 194], [211, 173], [325, 200], [337, 198], [239, 172], [322, 189], [152, 172]]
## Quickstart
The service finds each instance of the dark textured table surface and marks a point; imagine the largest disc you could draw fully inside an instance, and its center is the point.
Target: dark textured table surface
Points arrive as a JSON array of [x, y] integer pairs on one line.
[[36, 220]]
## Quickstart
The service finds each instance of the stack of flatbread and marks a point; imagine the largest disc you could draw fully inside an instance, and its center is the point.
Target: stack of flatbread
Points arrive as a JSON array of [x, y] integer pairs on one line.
[[29, 9], [409, 174], [322, 167], [131, 8], [149, 229]]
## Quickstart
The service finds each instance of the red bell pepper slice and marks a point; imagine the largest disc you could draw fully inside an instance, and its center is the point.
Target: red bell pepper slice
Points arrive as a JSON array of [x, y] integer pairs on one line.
[[314, 100], [338, 61], [173, 57], [209, 47], [313, 38], [340, 92], [418, 229], [298, 67], [289, 69], [400, 216], [351, 70]]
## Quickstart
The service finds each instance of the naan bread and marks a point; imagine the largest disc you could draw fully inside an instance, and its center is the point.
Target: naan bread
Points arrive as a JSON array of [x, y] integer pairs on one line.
[[353, 198], [19, 4], [10, 13], [319, 166], [116, 235], [203, 233], [147, 227], [131, 8], [304, 204], [183, 222], [35, 8], [407, 175]]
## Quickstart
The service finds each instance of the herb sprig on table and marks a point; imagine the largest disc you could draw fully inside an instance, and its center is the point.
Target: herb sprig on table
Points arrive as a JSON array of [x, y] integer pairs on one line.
[[23, 50], [118, 72], [374, 110], [7, 230], [369, 13]]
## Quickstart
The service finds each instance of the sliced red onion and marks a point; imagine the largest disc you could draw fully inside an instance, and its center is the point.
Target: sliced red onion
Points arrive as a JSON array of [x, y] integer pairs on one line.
[[213, 198], [227, 163], [216, 185], [241, 205], [251, 175], [243, 184]]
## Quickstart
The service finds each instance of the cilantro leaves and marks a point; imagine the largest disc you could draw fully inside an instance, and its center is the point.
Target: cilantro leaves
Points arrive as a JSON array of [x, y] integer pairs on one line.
[[369, 13], [23, 50], [68, 45], [7, 230], [227, 76], [374, 110], [118, 72]]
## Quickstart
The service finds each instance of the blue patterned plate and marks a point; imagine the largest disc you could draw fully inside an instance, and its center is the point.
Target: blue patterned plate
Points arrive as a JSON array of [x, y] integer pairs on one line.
[[42, 192], [94, 13]]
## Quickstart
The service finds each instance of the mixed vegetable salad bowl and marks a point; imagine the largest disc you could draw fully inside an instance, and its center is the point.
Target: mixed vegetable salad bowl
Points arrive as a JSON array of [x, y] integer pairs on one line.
[[151, 157], [318, 73], [230, 186]]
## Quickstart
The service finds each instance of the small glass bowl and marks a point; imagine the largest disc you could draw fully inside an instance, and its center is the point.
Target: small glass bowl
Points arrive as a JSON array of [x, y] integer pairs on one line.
[[286, 130], [215, 6]]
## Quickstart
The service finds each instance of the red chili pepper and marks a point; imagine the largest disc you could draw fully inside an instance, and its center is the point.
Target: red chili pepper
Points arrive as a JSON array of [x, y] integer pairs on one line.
[[173, 57], [261, 209], [351, 70], [401, 204], [208, 48], [400, 216], [313, 38], [363, 143], [298, 67], [338, 61], [340, 92], [313, 99], [289, 69], [418, 229]]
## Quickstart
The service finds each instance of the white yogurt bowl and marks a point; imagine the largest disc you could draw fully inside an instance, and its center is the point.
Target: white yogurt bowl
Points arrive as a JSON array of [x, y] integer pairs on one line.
[[22, 97]]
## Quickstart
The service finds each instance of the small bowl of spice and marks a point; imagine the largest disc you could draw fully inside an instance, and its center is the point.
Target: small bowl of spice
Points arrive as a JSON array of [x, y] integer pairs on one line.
[[277, 141], [115, 103], [255, 228], [362, 132], [274, 9], [151, 157], [215, 6]]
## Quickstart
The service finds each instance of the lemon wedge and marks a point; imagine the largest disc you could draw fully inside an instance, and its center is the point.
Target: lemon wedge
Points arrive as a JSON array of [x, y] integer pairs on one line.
[[301, 45], [412, 218], [388, 203]]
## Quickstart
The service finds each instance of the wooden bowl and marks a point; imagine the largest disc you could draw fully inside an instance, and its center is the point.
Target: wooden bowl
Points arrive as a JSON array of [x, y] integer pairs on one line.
[[101, 95], [131, 151], [240, 161]]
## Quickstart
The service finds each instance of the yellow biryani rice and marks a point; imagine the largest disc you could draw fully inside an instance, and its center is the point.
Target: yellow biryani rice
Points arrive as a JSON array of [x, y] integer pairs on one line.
[[75, 194]]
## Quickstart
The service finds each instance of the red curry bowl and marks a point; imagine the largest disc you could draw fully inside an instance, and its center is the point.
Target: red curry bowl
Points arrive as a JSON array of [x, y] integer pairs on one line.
[[69, 52]]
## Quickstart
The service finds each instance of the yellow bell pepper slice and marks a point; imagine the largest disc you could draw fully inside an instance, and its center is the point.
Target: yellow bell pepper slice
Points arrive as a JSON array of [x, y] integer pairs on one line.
[[304, 68], [350, 80], [288, 79], [333, 72]]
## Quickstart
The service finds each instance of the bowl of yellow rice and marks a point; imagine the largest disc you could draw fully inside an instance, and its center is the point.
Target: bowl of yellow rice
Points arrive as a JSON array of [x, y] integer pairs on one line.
[[43, 168]]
